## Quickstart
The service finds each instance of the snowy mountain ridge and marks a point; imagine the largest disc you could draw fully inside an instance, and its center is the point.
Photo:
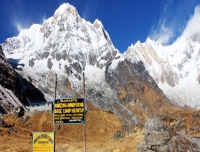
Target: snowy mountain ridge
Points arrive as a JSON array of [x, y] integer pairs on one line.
[[63, 36], [67, 45], [175, 68]]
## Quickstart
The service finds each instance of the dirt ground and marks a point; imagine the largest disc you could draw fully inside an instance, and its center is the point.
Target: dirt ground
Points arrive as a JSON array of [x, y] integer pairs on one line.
[[100, 129]]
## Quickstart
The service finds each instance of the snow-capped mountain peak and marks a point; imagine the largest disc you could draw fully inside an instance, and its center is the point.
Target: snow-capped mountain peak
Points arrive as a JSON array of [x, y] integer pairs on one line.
[[175, 67], [67, 45], [63, 8]]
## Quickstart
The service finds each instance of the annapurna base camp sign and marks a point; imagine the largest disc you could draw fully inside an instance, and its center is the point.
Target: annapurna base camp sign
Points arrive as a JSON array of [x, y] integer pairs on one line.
[[69, 111], [43, 141]]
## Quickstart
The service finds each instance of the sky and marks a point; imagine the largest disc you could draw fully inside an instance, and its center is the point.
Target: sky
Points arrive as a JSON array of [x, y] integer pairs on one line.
[[126, 21]]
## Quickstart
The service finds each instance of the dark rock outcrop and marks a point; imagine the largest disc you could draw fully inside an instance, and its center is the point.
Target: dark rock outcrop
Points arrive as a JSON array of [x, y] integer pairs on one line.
[[161, 138], [1, 122], [12, 84], [198, 78], [49, 63], [8, 77], [31, 63]]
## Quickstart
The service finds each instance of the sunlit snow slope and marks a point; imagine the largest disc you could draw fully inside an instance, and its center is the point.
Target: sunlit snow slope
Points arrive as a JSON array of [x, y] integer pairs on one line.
[[175, 68]]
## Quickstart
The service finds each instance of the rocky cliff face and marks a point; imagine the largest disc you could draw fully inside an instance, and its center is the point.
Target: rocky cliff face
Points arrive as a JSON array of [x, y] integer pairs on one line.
[[137, 90], [15, 91], [8, 77]]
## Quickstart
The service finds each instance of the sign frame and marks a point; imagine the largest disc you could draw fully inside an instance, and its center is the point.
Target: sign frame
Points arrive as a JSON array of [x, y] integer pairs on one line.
[[69, 111], [47, 138]]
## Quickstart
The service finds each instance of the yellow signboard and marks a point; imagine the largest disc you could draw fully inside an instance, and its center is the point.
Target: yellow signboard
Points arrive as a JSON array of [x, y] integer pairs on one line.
[[69, 111], [43, 141]]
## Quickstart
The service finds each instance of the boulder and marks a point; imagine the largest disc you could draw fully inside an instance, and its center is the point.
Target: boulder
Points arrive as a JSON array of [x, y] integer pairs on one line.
[[161, 138], [1, 122]]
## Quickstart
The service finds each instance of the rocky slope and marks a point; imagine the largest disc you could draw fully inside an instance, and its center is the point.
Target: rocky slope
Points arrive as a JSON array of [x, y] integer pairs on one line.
[[15, 91], [67, 45], [137, 90], [8, 76], [176, 136]]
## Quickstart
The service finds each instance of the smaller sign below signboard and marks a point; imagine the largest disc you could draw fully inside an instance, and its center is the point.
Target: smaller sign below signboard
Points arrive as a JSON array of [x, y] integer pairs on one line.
[[71, 111], [43, 141]]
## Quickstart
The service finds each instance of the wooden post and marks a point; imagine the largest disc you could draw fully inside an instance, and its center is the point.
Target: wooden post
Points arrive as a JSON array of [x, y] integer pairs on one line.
[[84, 125], [55, 86], [54, 128]]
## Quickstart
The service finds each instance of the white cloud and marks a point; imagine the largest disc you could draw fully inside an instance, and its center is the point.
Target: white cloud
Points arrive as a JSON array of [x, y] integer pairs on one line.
[[44, 18], [85, 13], [90, 10], [177, 20], [24, 23], [20, 17], [18, 26], [164, 34], [163, 31], [193, 25]]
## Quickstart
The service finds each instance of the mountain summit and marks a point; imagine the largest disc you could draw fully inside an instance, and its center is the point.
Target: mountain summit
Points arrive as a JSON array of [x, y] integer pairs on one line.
[[64, 44], [126, 84]]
